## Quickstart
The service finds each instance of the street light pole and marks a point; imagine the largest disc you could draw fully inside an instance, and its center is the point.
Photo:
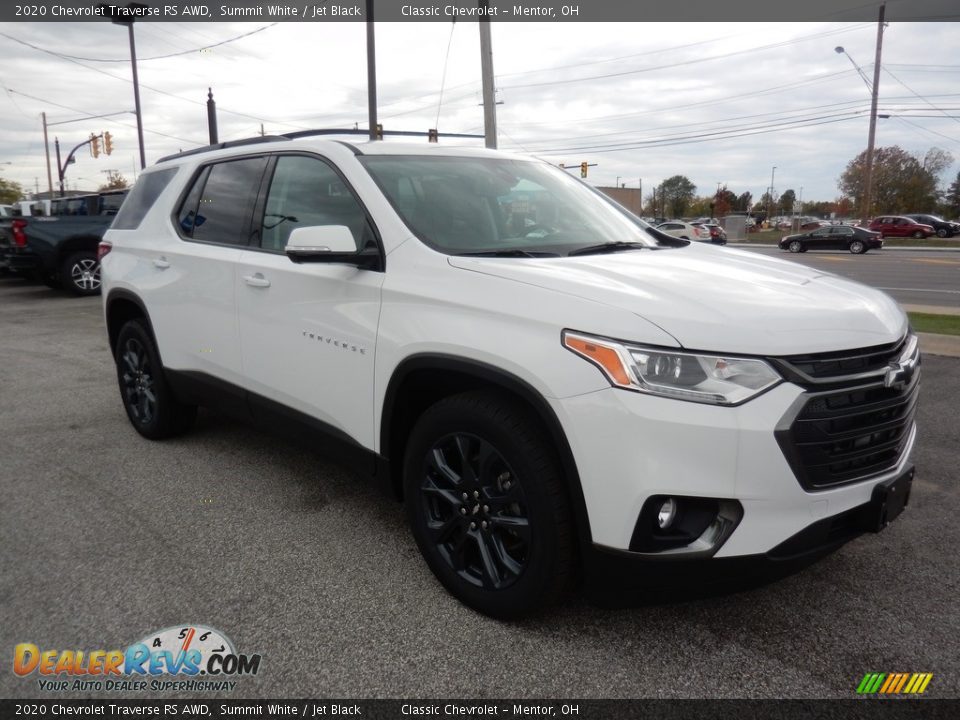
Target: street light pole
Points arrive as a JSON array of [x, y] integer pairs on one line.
[[770, 194], [128, 20], [874, 88]]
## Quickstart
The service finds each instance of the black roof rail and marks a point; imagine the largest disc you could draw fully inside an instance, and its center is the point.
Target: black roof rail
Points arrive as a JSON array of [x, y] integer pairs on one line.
[[221, 146], [356, 131]]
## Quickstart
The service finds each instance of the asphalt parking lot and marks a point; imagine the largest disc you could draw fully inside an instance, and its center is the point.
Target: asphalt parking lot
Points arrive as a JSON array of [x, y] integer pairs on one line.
[[105, 536]]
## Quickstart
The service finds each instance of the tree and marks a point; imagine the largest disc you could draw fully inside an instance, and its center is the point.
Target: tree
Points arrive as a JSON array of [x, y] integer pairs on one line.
[[743, 202], [787, 201], [115, 181], [951, 201], [10, 191], [901, 182], [677, 193]]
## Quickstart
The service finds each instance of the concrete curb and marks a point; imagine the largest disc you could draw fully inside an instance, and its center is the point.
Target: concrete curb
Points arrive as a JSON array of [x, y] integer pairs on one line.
[[885, 247]]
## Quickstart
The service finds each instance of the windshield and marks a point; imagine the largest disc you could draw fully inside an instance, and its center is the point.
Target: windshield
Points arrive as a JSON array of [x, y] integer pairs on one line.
[[497, 206]]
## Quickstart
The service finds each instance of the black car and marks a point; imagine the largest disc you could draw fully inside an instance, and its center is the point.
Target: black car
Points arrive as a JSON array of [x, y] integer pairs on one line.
[[944, 228], [834, 237]]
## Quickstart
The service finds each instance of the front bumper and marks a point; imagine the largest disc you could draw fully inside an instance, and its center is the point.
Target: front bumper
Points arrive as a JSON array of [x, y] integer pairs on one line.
[[19, 259], [630, 447]]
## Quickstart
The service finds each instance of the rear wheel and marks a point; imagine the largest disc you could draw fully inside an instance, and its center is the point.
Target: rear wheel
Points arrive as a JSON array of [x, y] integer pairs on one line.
[[795, 246], [857, 247], [487, 505], [151, 406], [80, 273]]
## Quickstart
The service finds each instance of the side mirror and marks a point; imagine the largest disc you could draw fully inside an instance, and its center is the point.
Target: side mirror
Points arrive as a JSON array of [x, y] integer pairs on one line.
[[330, 244]]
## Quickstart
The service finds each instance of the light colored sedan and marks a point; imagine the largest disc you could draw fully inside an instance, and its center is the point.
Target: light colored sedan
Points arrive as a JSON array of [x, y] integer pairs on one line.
[[684, 230]]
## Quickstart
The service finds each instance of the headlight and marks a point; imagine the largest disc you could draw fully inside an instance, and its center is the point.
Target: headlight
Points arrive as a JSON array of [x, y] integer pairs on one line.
[[713, 379]]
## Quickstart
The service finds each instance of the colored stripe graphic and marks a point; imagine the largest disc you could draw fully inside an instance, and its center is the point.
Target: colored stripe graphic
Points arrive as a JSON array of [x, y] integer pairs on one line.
[[894, 683]]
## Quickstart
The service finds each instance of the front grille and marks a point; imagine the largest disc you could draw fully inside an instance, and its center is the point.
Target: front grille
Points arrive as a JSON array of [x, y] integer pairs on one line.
[[855, 430], [830, 366]]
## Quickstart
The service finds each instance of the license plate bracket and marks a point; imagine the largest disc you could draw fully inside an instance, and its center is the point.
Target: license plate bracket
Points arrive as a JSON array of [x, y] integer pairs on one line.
[[887, 502]]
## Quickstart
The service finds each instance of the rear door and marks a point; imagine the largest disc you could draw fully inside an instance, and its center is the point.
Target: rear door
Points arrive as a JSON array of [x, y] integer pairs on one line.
[[308, 331], [191, 284]]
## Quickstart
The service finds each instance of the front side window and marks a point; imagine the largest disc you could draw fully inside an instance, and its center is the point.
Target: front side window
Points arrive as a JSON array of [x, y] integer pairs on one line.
[[220, 204], [466, 205], [304, 192]]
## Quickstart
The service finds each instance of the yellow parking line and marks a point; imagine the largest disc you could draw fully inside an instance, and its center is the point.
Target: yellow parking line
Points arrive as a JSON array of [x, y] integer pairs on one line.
[[836, 258]]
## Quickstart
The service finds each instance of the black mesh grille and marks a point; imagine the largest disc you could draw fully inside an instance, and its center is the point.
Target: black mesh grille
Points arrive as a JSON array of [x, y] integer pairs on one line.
[[849, 427]]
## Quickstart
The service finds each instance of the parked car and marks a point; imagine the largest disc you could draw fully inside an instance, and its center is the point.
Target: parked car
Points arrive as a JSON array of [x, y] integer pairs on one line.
[[899, 226], [718, 236], [943, 228], [510, 353], [684, 230], [833, 237], [61, 250]]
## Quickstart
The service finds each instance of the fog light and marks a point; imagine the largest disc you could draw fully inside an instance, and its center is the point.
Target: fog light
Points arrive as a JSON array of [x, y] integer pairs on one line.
[[667, 513]]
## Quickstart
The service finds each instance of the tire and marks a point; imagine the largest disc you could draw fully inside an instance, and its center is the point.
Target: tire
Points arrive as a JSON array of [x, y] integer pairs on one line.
[[857, 247], [795, 246], [487, 505], [80, 273], [151, 406], [918, 235], [942, 233]]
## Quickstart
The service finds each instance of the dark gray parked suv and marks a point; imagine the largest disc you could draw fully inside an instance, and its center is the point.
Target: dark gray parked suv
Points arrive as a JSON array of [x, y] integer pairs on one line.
[[944, 228]]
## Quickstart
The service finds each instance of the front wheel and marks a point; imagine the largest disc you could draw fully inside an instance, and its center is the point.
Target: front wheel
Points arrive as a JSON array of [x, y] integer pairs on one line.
[[487, 504], [942, 233], [918, 235], [857, 247], [151, 406], [795, 246], [80, 273]]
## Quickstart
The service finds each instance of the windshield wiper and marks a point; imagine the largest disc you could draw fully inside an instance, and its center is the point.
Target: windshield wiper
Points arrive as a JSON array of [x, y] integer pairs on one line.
[[508, 253], [609, 247]]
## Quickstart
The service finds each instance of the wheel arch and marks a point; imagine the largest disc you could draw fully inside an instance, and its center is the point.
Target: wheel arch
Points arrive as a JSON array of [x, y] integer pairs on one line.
[[421, 380], [122, 306]]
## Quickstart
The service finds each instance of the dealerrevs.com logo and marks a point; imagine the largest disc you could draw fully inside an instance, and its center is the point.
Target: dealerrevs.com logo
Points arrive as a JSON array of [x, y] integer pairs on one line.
[[187, 658]]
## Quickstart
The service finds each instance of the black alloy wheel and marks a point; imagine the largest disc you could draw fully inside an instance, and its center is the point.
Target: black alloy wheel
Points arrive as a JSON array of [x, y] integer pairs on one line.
[[476, 511], [487, 504], [942, 233], [151, 406]]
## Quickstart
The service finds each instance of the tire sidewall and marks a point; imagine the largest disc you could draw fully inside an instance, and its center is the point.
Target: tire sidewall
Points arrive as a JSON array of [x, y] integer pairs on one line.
[[155, 428], [526, 592], [795, 246]]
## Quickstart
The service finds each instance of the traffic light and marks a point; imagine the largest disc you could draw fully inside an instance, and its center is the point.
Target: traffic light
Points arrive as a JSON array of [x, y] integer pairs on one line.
[[107, 143], [379, 133], [432, 135], [562, 166], [583, 169], [94, 145]]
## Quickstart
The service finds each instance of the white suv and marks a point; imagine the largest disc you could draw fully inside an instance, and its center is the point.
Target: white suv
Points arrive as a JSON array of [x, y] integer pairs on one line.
[[558, 391]]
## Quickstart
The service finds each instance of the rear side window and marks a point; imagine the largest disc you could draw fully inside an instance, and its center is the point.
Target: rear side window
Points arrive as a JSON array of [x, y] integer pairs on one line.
[[220, 204], [141, 198]]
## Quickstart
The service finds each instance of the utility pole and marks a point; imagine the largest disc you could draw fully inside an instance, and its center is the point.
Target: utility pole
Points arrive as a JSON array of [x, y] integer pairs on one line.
[[371, 74], [118, 19], [46, 147], [770, 194], [871, 138], [486, 70]]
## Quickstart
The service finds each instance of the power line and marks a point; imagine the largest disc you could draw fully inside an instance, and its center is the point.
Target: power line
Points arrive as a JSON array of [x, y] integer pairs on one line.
[[139, 59]]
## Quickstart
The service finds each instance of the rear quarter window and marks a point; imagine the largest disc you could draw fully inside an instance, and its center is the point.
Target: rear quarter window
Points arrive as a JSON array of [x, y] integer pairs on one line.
[[139, 201]]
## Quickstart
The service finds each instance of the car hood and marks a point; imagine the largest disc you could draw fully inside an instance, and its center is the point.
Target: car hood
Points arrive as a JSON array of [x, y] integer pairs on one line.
[[720, 300]]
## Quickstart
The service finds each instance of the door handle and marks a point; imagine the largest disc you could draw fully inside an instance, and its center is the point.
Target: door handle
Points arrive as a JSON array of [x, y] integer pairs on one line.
[[256, 280], [161, 263]]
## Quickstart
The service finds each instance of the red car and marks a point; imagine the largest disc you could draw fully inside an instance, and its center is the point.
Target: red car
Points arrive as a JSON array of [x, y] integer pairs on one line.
[[897, 226]]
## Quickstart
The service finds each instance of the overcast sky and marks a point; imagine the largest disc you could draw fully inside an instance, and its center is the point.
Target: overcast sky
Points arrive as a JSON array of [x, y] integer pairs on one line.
[[642, 100]]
